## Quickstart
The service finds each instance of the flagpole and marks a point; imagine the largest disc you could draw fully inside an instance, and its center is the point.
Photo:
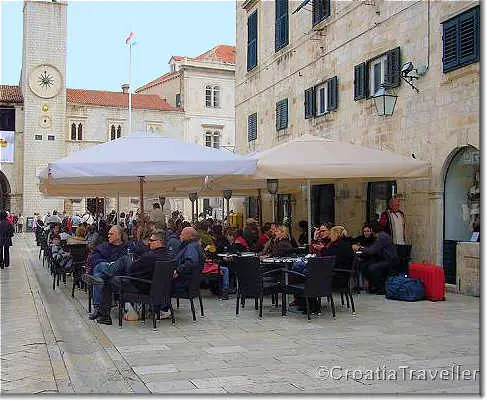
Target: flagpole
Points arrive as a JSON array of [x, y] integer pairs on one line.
[[130, 88]]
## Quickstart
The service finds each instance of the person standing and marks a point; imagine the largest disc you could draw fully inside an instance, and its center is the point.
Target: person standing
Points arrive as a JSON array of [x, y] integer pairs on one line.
[[393, 221], [6, 234], [20, 223]]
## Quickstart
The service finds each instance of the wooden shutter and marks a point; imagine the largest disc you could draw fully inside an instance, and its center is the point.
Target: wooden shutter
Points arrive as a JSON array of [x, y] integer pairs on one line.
[[332, 93], [309, 103], [252, 127], [321, 10], [281, 114], [468, 27], [359, 83], [73, 131], [252, 41], [450, 46], [80, 132], [392, 76], [282, 24]]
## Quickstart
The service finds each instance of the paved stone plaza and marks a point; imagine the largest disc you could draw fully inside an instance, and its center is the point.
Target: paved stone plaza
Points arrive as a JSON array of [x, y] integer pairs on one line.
[[49, 345]]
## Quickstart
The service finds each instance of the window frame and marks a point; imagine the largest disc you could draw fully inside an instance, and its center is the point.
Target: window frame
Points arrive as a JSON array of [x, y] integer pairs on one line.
[[322, 14], [317, 99], [212, 96], [251, 118], [379, 60], [214, 137], [281, 39], [252, 43]]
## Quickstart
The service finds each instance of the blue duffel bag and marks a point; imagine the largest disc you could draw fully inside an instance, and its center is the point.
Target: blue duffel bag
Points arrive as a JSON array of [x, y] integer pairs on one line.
[[404, 288]]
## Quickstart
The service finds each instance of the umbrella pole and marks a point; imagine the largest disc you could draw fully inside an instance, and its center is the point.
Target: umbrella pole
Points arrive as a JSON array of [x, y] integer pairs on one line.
[[259, 207], [308, 189], [141, 182], [118, 208]]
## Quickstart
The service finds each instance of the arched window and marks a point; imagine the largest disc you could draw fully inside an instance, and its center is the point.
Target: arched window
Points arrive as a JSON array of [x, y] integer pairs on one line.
[[112, 133], [80, 132], [73, 132], [119, 131]]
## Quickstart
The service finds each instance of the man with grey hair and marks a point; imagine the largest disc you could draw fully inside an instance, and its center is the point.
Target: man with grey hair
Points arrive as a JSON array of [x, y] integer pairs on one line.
[[141, 268]]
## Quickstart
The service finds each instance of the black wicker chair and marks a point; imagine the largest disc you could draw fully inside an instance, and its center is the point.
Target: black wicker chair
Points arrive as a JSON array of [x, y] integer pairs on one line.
[[252, 282], [317, 282], [159, 293], [190, 292]]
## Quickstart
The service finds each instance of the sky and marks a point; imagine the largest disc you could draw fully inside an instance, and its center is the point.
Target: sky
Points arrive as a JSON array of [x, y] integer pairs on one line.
[[97, 56]]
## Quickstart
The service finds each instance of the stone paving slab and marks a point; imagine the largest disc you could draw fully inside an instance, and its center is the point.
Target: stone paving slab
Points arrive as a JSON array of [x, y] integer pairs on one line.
[[225, 353]]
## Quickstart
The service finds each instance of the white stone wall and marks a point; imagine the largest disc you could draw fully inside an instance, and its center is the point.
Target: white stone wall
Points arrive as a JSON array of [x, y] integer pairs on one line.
[[441, 118], [44, 41]]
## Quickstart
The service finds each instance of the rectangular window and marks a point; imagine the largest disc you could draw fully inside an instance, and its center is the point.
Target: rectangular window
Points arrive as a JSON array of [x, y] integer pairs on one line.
[[50, 137], [281, 115], [252, 41], [212, 139], [178, 100], [461, 40], [208, 96], [252, 127], [282, 24], [7, 119], [216, 96], [320, 103], [383, 70], [321, 99], [321, 10], [38, 137]]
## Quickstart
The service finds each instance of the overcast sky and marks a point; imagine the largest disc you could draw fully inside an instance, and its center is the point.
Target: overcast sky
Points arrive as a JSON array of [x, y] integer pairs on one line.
[[97, 55]]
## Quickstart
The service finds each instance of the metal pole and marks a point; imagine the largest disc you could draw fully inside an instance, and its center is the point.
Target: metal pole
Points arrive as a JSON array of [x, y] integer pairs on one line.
[[259, 207], [118, 208], [273, 208], [141, 182], [308, 190], [130, 88]]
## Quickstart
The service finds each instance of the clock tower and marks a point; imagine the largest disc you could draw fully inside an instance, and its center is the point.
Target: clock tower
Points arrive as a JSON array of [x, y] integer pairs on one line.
[[43, 86]]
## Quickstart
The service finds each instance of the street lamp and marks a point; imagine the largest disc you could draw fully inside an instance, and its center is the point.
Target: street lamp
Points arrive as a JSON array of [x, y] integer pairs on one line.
[[227, 194], [384, 102], [193, 196], [272, 188]]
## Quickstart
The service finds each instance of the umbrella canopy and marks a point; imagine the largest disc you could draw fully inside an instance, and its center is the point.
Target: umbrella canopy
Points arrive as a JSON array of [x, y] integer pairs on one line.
[[140, 154], [313, 157]]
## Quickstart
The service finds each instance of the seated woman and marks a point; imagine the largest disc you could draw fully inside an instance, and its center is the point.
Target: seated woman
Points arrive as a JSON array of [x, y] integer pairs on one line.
[[282, 243], [321, 238], [367, 236], [79, 237], [236, 240]]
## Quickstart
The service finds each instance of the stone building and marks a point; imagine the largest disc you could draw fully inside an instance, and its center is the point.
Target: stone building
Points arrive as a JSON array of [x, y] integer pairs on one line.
[[41, 120], [313, 68], [204, 86]]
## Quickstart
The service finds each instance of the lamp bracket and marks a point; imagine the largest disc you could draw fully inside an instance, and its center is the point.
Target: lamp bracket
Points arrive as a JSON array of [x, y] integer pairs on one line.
[[409, 81]]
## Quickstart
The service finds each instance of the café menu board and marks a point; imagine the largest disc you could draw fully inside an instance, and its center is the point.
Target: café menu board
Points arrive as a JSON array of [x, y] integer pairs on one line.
[[7, 146]]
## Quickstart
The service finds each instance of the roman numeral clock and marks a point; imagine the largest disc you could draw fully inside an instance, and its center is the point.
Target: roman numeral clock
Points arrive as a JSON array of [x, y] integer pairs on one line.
[[45, 81]]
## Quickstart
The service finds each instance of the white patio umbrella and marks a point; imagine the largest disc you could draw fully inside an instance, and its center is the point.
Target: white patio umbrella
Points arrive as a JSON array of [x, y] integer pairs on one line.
[[139, 162]]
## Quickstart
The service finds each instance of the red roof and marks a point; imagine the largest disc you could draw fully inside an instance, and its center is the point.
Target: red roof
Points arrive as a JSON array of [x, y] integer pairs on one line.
[[10, 94], [223, 53], [117, 99], [157, 81]]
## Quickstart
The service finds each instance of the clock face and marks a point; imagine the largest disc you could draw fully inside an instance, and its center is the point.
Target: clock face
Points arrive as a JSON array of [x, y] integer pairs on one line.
[[45, 81]]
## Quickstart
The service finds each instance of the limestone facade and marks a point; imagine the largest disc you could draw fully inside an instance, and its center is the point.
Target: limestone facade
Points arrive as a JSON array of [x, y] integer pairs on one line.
[[433, 124]]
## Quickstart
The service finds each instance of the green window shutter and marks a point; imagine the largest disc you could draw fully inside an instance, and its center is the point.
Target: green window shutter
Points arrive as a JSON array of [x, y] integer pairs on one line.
[[392, 76], [252, 40], [252, 127], [359, 83], [282, 24], [332, 93], [468, 27], [309, 102]]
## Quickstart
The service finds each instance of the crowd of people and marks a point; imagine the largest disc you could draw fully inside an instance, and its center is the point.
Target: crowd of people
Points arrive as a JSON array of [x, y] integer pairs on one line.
[[133, 243]]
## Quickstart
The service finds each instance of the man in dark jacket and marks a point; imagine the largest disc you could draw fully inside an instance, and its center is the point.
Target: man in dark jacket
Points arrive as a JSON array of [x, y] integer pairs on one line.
[[103, 258], [141, 268], [6, 234], [381, 259], [189, 257], [172, 239]]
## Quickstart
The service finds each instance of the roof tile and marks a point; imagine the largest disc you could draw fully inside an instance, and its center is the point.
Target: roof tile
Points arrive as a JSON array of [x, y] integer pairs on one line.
[[10, 94]]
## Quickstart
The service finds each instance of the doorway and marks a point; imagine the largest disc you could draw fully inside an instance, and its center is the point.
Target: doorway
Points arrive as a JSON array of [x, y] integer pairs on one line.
[[322, 204], [461, 213]]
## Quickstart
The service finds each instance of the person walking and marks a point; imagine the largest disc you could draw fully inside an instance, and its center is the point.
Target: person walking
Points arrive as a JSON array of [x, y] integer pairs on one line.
[[6, 234], [20, 223]]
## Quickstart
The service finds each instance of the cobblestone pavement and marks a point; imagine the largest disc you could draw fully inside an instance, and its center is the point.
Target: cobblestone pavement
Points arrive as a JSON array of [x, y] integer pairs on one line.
[[382, 346]]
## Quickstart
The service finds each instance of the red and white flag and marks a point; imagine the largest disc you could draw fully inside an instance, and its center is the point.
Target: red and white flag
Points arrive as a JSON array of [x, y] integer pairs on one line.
[[131, 39]]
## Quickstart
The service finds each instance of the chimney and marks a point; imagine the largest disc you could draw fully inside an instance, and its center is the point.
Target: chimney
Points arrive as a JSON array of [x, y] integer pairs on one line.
[[125, 88]]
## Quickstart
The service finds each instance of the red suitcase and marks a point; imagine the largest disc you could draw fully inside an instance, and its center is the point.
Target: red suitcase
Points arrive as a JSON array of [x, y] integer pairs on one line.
[[433, 278]]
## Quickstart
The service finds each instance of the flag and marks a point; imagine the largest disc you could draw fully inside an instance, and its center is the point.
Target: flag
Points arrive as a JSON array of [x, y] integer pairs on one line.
[[131, 39]]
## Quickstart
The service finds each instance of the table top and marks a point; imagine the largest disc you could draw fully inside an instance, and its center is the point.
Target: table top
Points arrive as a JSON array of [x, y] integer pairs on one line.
[[230, 255], [284, 259]]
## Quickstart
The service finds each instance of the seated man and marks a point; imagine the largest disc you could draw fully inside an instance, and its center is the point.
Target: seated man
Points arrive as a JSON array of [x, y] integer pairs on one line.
[[189, 256], [103, 258], [381, 259], [141, 268]]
